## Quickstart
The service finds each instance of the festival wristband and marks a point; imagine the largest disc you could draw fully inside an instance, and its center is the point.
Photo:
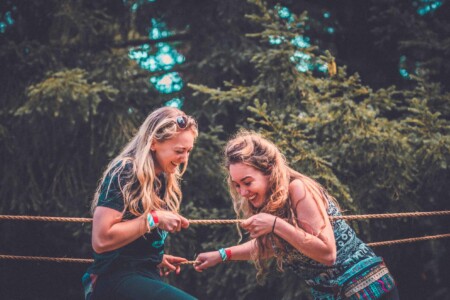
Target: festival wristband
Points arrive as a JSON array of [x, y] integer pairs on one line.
[[151, 222], [228, 252], [225, 254], [155, 217]]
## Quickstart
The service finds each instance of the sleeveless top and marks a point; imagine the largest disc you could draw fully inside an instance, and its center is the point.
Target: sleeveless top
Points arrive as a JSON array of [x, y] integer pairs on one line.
[[350, 250]]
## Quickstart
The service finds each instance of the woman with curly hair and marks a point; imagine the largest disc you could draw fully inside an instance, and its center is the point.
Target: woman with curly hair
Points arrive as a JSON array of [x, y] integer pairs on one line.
[[287, 217]]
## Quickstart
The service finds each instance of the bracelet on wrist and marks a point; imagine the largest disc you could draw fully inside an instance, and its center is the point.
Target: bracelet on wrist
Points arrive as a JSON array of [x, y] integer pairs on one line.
[[228, 252], [225, 254], [151, 222], [273, 226], [155, 217], [147, 225]]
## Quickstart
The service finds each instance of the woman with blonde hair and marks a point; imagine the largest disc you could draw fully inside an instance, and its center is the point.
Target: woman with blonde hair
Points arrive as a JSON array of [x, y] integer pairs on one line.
[[134, 208], [287, 217]]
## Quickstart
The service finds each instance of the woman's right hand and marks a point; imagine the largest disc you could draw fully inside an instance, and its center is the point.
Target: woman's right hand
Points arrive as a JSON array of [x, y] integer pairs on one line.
[[170, 221], [206, 260]]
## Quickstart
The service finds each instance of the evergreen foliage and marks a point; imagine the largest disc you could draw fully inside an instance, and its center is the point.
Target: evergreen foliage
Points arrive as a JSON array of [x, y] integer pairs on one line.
[[374, 150], [71, 98]]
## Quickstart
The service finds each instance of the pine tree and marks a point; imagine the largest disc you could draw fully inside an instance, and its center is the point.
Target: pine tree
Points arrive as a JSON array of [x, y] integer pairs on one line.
[[377, 151]]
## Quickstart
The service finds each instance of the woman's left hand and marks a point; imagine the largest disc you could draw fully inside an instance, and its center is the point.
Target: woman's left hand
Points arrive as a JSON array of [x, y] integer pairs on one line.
[[170, 264], [207, 260], [258, 225]]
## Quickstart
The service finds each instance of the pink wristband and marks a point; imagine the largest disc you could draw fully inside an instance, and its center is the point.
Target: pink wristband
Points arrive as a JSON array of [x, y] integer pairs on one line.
[[228, 252], [155, 217]]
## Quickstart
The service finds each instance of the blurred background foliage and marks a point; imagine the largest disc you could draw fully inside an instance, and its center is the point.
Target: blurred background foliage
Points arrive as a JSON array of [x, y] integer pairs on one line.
[[355, 93]]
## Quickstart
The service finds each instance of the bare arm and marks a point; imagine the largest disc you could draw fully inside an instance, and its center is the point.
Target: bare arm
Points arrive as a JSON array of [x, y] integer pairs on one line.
[[110, 233], [314, 239], [243, 251]]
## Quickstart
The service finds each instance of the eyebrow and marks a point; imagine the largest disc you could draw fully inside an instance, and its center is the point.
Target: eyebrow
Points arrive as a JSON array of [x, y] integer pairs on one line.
[[242, 179], [182, 147]]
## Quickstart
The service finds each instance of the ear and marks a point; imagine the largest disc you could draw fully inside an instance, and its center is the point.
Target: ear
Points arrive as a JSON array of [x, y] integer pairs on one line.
[[153, 146]]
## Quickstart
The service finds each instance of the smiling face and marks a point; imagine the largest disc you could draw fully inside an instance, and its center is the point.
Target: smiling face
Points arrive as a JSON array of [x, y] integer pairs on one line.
[[169, 154], [249, 183]]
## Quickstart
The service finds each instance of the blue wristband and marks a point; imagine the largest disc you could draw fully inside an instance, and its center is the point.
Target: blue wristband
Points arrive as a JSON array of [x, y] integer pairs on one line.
[[223, 254], [151, 222]]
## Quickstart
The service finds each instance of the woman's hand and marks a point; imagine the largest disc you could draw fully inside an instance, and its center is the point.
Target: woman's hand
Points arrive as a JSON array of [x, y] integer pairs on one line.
[[170, 264], [170, 221], [259, 225], [206, 260]]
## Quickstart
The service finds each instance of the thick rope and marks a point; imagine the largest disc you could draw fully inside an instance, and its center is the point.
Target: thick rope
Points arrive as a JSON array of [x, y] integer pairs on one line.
[[393, 215], [44, 258], [191, 262], [410, 240], [235, 221], [47, 219]]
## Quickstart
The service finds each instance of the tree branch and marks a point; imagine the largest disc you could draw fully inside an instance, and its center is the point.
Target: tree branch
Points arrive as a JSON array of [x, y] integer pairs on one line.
[[182, 36]]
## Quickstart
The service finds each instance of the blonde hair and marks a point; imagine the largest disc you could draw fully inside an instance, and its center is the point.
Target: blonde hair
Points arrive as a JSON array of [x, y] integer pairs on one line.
[[251, 149], [138, 192]]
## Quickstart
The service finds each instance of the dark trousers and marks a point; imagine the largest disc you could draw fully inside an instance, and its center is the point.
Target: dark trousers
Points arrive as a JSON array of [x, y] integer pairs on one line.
[[136, 285]]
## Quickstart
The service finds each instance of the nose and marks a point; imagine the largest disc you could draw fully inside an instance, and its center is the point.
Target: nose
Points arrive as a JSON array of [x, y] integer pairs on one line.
[[184, 158], [243, 192]]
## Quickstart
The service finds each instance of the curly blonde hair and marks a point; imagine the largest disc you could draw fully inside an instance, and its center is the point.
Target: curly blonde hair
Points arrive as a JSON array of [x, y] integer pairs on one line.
[[138, 192], [250, 148]]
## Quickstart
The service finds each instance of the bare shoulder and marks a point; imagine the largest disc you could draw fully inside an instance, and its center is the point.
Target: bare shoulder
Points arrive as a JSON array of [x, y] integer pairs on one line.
[[310, 212], [297, 190], [303, 201]]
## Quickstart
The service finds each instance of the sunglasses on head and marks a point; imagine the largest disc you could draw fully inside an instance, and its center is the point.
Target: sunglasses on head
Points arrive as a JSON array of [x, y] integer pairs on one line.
[[182, 121]]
